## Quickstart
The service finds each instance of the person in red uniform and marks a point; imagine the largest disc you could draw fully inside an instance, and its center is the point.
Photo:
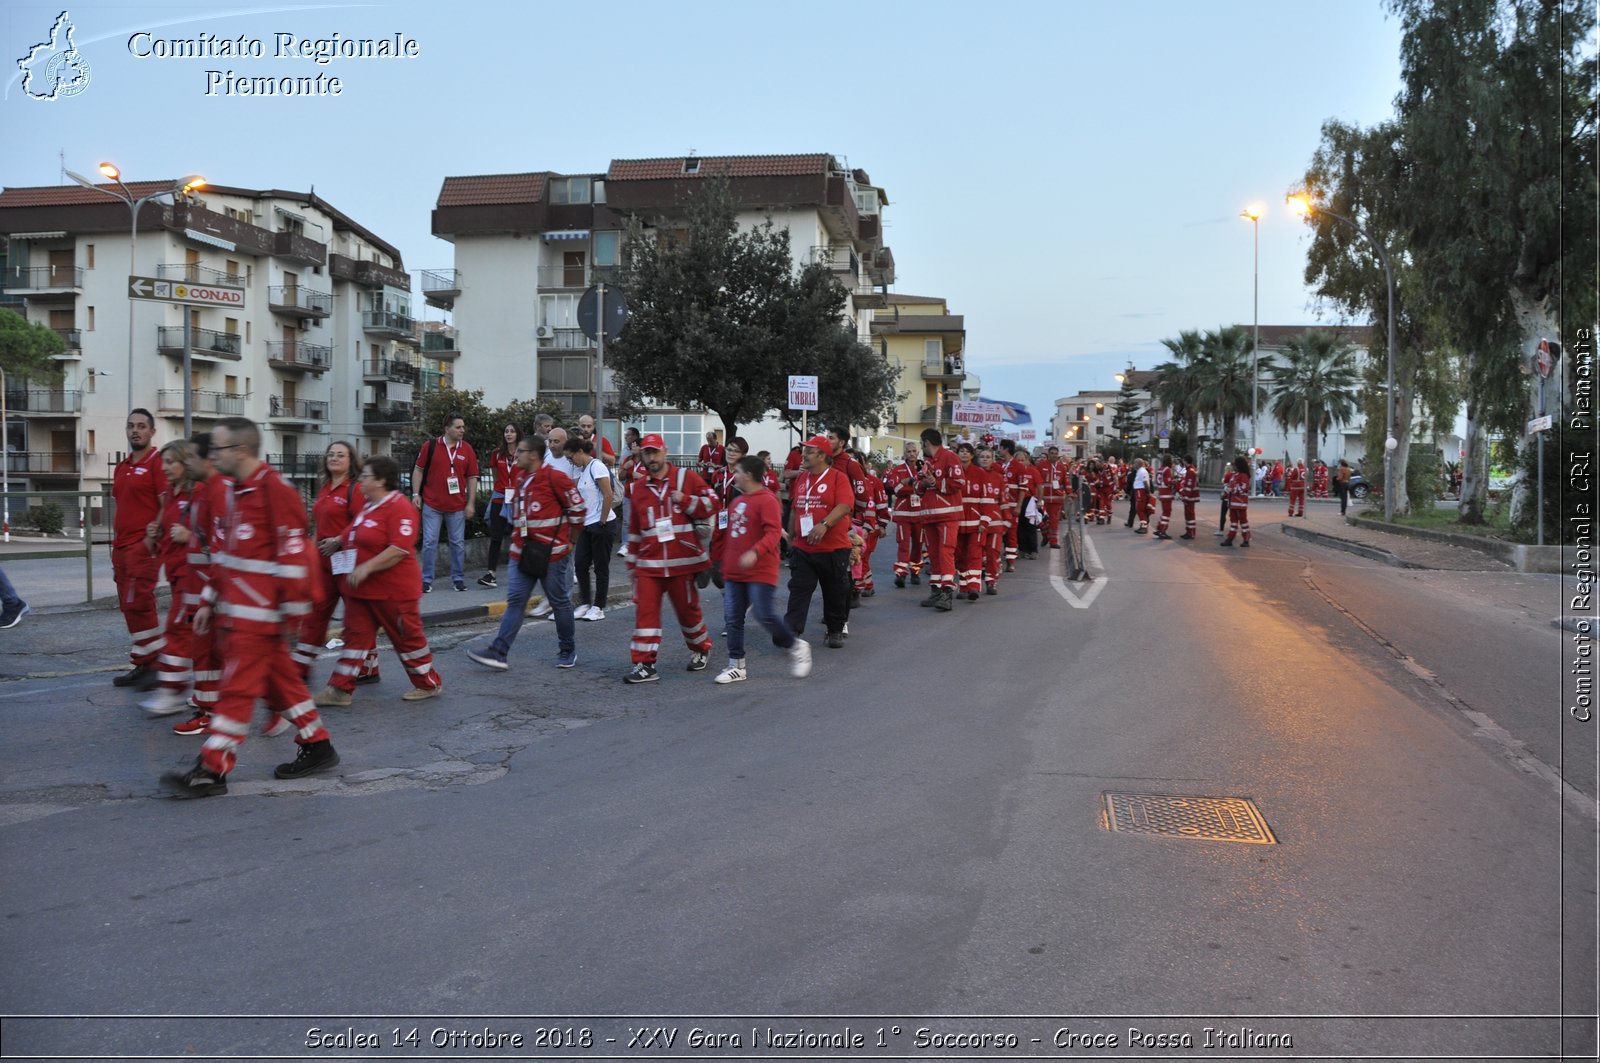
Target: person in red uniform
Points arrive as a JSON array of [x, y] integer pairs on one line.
[[258, 594], [210, 499], [503, 466], [1189, 492], [750, 569], [336, 504], [713, 455], [447, 472], [1054, 477], [970, 532], [723, 485], [1141, 496], [876, 513], [843, 459], [943, 488], [602, 446], [1166, 488], [168, 538], [991, 488], [1297, 489], [1007, 464], [1236, 489], [376, 566], [664, 554], [819, 542], [136, 487], [900, 480], [1319, 480], [1028, 483]]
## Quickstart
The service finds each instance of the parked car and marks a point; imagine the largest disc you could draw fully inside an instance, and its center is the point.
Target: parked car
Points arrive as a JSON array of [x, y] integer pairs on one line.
[[1359, 488]]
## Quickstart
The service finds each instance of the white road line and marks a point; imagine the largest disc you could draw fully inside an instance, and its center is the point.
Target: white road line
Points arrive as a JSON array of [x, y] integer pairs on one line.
[[1091, 587], [36, 692]]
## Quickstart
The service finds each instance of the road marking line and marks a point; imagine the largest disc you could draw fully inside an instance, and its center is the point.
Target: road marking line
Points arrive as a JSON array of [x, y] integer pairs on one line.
[[1092, 587]]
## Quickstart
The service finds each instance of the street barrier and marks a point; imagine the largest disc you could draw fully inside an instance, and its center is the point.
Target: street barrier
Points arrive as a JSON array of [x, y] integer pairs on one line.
[[1072, 540], [83, 511]]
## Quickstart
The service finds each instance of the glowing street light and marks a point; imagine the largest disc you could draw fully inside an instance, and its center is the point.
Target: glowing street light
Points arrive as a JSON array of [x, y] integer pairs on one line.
[[1253, 214]]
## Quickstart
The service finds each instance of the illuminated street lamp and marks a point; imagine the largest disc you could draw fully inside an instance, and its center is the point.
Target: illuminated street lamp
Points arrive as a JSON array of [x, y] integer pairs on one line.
[[182, 187], [1301, 204], [1254, 214]]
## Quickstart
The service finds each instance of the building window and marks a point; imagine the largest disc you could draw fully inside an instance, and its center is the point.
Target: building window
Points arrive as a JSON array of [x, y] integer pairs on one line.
[[558, 311], [682, 432], [563, 373], [599, 191], [1099, 429], [691, 165], [569, 190], [932, 353], [247, 325], [91, 320], [1080, 413], [607, 248], [88, 256]]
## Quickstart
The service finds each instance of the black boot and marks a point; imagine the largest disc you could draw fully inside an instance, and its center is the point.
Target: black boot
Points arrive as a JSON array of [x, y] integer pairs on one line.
[[899, 581], [946, 600]]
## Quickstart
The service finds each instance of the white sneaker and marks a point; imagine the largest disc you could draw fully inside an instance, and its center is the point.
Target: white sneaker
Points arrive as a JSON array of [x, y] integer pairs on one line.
[[800, 659], [165, 703], [595, 613], [734, 673], [543, 609], [580, 612]]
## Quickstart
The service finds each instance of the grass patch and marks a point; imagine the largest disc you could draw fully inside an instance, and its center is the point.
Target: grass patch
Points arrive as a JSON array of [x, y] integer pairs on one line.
[[1496, 524]]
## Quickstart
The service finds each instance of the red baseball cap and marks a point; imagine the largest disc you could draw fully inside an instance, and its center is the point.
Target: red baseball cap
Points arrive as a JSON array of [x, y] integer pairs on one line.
[[653, 441], [822, 443]]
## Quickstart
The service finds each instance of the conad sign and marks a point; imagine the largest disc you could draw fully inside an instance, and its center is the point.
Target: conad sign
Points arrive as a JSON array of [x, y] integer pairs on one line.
[[195, 293]]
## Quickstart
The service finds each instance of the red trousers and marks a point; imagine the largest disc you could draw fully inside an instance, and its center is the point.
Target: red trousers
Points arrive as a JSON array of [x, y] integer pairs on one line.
[[257, 666], [175, 662], [1238, 519], [939, 539], [314, 625], [1107, 496], [402, 622], [1188, 516], [207, 668], [907, 547], [969, 559], [864, 582], [648, 588], [1052, 522], [994, 548], [1297, 501], [1166, 513], [135, 569], [1141, 506], [1011, 534]]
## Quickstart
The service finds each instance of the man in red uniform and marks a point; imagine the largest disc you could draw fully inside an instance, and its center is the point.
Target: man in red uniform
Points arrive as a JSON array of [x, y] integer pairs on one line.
[[943, 489], [1189, 491], [900, 480], [1009, 507], [136, 488], [1297, 490], [1054, 476], [1236, 490], [258, 592], [1028, 483], [713, 455], [819, 541], [876, 519], [445, 480], [1166, 488], [1319, 480], [664, 553], [991, 486], [973, 526]]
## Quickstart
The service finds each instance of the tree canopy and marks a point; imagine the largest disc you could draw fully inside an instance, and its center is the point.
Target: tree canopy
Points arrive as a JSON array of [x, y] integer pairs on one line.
[[27, 350]]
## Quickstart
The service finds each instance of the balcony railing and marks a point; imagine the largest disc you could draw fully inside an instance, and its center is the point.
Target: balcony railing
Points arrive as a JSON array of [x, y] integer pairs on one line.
[[42, 463], [197, 274], [389, 369], [35, 279], [298, 301], [43, 401], [72, 337], [202, 403], [297, 409], [944, 418], [442, 344], [202, 341], [950, 370], [564, 276], [386, 323], [384, 415], [296, 464], [838, 259], [294, 355], [565, 339], [441, 286]]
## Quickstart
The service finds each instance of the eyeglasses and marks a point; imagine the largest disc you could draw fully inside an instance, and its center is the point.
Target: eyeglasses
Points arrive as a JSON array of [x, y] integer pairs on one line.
[[226, 446]]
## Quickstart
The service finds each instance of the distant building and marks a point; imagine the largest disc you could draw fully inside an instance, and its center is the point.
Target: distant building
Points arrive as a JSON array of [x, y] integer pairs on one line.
[[918, 334]]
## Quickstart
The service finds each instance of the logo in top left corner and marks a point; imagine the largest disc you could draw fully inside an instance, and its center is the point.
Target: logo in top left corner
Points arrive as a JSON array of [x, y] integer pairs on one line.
[[54, 69]]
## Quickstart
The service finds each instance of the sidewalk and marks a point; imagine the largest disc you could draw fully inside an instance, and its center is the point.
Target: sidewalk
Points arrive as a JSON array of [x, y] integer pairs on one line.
[[1322, 524]]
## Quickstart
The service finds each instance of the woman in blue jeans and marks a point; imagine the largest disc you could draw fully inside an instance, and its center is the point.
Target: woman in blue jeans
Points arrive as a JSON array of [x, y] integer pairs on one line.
[[750, 572]]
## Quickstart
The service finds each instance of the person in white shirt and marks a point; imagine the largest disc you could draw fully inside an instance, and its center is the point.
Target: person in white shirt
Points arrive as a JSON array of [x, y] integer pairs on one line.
[[594, 543]]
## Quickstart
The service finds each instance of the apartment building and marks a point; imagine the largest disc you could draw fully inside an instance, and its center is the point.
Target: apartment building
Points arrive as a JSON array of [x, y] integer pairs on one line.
[[528, 245], [321, 349], [928, 343]]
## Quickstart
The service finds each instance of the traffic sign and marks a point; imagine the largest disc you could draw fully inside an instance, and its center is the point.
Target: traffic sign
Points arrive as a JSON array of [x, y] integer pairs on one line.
[[169, 291], [1544, 358], [802, 393], [589, 311], [1164, 443], [1541, 424]]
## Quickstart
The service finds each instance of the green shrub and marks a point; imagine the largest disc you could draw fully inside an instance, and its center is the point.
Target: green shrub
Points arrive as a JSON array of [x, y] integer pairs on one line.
[[47, 519]]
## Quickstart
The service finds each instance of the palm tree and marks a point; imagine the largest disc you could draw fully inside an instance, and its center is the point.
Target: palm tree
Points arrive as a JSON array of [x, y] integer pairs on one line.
[[1175, 383], [1225, 381], [1314, 384]]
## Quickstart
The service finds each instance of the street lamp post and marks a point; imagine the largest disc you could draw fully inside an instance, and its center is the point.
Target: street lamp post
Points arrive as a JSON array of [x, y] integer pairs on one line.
[[126, 196], [1303, 205], [1254, 214]]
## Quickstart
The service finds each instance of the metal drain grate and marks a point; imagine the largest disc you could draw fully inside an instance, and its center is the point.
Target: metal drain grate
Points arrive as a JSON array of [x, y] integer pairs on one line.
[[1226, 819]]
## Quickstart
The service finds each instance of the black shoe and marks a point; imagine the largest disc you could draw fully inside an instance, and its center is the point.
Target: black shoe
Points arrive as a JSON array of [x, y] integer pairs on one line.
[[972, 596], [427, 588], [855, 599], [947, 600], [461, 586], [931, 600], [991, 589], [1226, 542], [196, 782], [12, 617], [1140, 530], [137, 676], [868, 592], [899, 581], [488, 580], [367, 679], [1055, 546], [834, 641], [916, 580], [312, 758], [1245, 545]]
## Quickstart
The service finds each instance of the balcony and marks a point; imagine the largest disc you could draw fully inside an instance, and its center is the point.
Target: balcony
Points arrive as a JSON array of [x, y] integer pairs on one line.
[[388, 369], [952, 371], [441, 287], [866, 297], [205, 344], [386, 323], [292, 356], [207, 404], [43, 463], [296, 300], [305, 411], [837, 259], [368, 274], [562, 339], [296, 464], [292, 247], [880, 266], [926, 415], [564, 277], [43, 402], [387, 416], [35, 281], [443, 344], [73, 338], [196, 274]]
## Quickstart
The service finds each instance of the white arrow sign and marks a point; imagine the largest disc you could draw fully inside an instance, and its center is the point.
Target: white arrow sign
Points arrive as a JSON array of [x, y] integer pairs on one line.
[[1082, 599]]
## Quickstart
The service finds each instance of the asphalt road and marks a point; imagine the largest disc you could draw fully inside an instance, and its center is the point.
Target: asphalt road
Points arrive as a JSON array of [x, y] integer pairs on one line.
[[914, 831]]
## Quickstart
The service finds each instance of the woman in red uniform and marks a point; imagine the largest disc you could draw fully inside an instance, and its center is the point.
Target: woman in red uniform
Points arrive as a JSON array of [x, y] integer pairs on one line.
[[376, 565], [972, 529], [1236, 490], [503, 461], [336, 505], [991, 485], [723, 486], [175, 664]]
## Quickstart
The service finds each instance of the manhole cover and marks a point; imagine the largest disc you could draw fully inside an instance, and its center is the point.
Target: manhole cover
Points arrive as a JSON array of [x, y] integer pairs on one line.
[[1226, 819]]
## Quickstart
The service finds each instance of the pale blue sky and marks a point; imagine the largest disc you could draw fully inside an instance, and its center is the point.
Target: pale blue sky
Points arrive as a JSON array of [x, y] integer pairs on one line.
[[1068, 175]]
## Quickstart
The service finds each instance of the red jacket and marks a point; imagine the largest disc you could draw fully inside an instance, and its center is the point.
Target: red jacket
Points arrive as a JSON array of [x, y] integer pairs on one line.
[[755, 522], [1236, 488], [1297, 478], [1053, 480], [650, 501], [877, 501], [136, 486], [547, 508], [260, 560], [506, 473], [1166, 482], [185, 579], [974, 503], [900, 481], [1189, 486], [945, 487]]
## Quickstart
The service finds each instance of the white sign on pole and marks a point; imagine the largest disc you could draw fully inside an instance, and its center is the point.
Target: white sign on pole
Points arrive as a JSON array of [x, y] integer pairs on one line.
[[802, 393], [226, 295], [1164, 443], [1541, 424], [969, 413], [1027, 435]]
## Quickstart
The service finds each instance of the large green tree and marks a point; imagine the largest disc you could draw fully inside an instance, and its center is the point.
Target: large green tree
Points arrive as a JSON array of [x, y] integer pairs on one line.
[[27, 350], [1314, 382], [720, 318], [1177, 380], [1225, 379]]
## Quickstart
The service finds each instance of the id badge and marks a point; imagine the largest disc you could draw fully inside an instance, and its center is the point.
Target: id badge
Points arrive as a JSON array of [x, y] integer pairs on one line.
[[453, 486], [806, 524], [663, 529], [722, 520], [344, 562]]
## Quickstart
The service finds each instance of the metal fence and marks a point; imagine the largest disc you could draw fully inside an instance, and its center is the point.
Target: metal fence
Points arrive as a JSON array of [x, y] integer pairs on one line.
[[1072, 538], [86, 509]]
